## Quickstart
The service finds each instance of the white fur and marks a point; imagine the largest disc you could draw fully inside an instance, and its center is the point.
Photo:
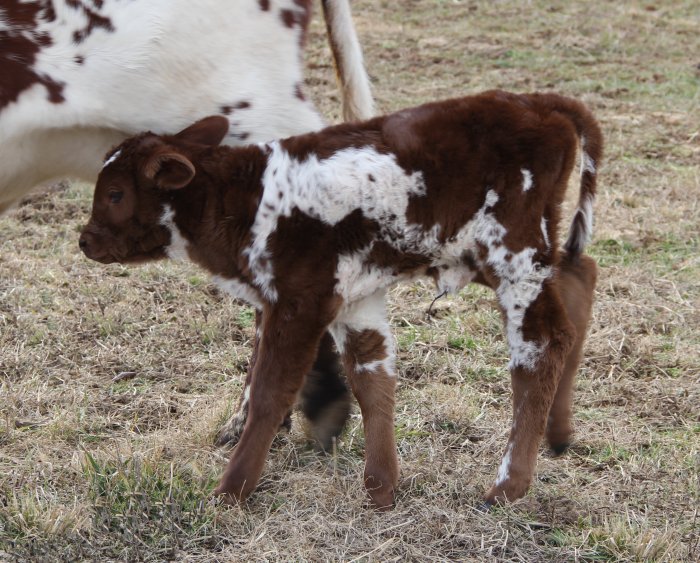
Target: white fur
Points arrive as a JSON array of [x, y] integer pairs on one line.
[[329, 190], [581, 238], [139, 77], [545, 235], [587, 163], [177, 249], [111, 159], [527, 179], [366, 314], [587, 210], [504, 468], [357, 279], [238, 290], [521, 283]]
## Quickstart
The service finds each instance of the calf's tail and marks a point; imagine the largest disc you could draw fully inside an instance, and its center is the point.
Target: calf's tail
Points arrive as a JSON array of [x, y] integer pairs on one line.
[[358, 103], [591, 144]]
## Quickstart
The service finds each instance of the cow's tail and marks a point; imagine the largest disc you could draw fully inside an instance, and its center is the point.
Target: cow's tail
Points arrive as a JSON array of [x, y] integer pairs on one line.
[[591, 141], [358, 103]]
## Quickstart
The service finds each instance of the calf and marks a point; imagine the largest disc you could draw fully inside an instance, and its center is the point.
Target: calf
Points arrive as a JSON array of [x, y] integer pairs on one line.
[[313, 230]]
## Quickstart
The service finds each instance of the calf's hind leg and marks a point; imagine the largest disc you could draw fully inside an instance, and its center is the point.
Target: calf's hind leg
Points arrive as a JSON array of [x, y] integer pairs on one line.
[[576, 283], [366, 347], [540, 337]]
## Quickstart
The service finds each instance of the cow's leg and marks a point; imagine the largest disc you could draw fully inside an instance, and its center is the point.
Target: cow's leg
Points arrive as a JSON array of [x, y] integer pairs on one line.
[[576, 284], [364, 341], [540, 337], [286, 351], [324, 399]]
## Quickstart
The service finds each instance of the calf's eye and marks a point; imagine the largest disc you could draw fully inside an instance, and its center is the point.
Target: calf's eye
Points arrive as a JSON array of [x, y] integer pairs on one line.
[[115, 196]]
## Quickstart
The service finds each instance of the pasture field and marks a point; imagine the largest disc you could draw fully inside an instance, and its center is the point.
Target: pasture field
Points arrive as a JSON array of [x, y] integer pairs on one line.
[[94, 466]]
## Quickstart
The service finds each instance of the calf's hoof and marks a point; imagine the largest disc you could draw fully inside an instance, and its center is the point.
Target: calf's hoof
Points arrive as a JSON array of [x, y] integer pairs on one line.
[[232, 490], [381, 495], [559, 437], [226, 497], [506, 492], [484, 506]]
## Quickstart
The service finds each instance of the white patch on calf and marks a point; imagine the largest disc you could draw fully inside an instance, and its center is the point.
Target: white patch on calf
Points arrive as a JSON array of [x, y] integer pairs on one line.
[[111, 159], [177, 249], [504, 468], [527, 179], [329, 190], [545, 236], [357, 279], [367, 314], [521, 282], [238, 290]]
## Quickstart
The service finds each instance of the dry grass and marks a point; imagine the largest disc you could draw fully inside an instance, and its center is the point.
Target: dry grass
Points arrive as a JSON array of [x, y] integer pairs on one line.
[[93, 468]]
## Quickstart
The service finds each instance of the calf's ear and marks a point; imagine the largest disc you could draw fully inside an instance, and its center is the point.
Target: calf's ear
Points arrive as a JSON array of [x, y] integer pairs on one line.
[[209, 131], [169, 170]]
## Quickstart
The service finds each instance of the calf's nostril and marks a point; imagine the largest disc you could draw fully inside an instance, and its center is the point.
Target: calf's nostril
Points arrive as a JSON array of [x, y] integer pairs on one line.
[[83, 243]]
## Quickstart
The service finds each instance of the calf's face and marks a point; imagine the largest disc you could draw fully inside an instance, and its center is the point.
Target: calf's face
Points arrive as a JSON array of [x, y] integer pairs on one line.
[[133, 188]]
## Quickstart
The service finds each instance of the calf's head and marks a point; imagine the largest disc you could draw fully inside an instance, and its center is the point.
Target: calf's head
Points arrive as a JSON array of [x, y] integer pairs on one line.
[[137, 180]]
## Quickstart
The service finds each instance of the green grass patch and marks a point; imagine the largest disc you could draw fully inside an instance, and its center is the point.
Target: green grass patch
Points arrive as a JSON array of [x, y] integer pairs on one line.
[[154, 504]]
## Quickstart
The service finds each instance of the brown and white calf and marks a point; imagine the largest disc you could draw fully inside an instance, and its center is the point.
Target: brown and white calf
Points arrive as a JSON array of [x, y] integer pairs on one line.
[[313, 230]]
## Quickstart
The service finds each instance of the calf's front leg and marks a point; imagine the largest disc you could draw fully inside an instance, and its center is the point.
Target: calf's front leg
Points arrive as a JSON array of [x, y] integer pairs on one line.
[[286, 350], [324, 399]]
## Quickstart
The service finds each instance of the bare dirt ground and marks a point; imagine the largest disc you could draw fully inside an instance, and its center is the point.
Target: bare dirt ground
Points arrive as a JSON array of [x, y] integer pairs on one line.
[[98, 466]]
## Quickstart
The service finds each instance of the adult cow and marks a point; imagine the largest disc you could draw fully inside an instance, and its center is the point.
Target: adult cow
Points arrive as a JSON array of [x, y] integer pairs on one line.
[[79, 76]]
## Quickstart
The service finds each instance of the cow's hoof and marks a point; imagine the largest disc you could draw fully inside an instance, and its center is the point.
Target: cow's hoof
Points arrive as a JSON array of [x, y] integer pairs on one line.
[[230, 433], [329, 424], [559, 449]]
